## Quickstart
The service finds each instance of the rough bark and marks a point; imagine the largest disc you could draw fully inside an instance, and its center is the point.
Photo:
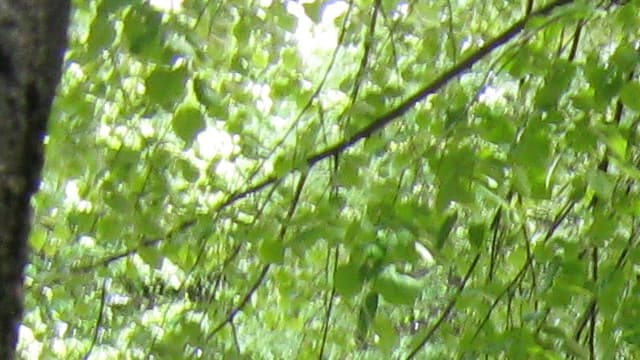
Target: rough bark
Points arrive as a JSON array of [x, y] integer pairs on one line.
[[32, 43]]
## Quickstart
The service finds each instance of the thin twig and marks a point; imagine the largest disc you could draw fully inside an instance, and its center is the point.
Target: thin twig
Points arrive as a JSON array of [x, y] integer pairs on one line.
[[379, 123], [327, 315], [446, 311], [314, 95], [99, 320], [265, 269]]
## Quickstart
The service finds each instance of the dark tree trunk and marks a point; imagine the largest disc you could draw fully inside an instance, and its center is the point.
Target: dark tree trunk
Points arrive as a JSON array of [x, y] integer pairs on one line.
[[32, 43]]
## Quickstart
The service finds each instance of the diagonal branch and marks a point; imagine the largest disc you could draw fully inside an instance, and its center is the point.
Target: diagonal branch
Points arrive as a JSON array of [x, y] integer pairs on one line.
[[379, 123], [384, 120], [265, 269], [96, 330], [314, 95], [446, 311]]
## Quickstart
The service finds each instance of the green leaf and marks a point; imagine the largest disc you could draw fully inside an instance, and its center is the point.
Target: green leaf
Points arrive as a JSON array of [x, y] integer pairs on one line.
[[529, 60], [396, 288], [190, 172], [373, 256], [494, 126], [601, 183], [403, 248], [556, 84], [109, 228], [282, 164], [237, 123], [390, 5], [570, 345], [476, 234], [627, 17], [455, 172], [454, 190], [307, 239], [165, 87], [347, 279], [611, 290], [606, 83], [125, 162], [281, 86], [626, 57], [151, 256], [110, 6], [517, 258], [584, 100], [148, 227], [242, 30], [533, 149], [314, 10], [348, 173], [386, 331], [271, 251], [582, 138], [187, 123], [179, 254], [118, 202], [366, 315], [37, 238], [141, 29], [260, 59], [289, 58], [101, 35], [616, 143], [82, 221], [630, 95], [211, 100], [284, 19], [602, 229], [445, 229]]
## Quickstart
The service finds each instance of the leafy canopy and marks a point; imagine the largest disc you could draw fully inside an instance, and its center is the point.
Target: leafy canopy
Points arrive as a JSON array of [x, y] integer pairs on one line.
[[341, 179]]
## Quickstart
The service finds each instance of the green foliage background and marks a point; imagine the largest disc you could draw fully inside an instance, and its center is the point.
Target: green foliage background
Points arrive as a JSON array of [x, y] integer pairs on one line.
[[440, 179]]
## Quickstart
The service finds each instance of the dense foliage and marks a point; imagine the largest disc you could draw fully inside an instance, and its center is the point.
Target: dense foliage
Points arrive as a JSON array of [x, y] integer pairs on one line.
[[341, 179]]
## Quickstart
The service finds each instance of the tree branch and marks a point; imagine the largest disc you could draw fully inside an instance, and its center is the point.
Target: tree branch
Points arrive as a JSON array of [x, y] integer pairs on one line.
[[265, 269], [379, 123], [382, 121], [446, 311]]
